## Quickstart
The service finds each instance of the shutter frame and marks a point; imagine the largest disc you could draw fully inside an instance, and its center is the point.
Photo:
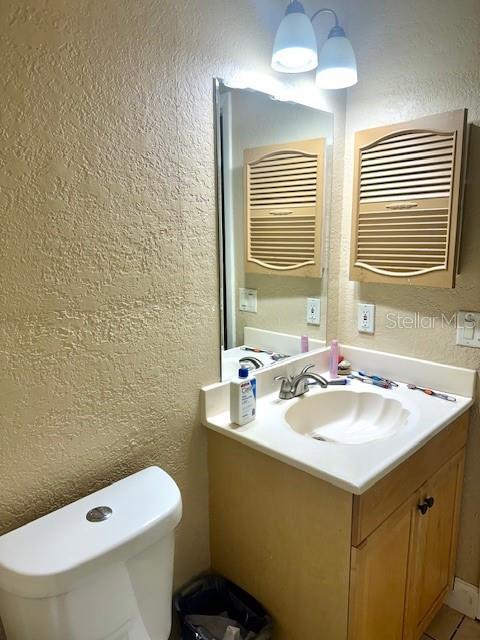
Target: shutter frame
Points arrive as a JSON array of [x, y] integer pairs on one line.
[[284, 204], [407, 201]]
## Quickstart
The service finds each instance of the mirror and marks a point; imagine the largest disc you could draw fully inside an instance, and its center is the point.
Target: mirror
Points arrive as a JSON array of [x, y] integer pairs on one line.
[[273, 162]]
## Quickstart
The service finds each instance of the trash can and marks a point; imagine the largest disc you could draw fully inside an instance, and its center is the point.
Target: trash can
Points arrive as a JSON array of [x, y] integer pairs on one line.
[[213, 608]]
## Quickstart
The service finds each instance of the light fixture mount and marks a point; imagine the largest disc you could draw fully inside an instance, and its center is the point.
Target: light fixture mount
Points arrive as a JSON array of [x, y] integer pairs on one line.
[[295, 7], [337, 32]]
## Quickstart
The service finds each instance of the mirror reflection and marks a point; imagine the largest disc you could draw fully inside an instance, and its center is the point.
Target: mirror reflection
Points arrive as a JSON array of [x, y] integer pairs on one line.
[[274, 170]]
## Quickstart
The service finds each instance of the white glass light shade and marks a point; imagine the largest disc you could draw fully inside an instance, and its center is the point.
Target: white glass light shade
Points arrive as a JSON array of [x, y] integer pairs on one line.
[[337, 67], [295, 45]]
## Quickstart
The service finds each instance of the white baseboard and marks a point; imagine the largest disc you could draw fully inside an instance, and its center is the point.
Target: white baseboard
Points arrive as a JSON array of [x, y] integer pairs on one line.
[[464, 598]]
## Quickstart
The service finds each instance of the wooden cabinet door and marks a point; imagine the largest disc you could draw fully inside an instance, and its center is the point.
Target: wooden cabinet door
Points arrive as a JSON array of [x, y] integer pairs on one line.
[[379, 579], [433, 546], [407, 201]]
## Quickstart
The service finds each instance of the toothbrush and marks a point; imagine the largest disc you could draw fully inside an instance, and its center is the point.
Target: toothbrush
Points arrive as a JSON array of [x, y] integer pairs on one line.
[[378, 379], [376, 383], [278, 356], [272, 354], [340, 383], [431, 392], [256, 350]]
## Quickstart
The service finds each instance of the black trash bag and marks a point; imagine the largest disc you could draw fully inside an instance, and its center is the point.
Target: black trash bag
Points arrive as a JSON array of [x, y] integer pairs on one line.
[[211, 603]]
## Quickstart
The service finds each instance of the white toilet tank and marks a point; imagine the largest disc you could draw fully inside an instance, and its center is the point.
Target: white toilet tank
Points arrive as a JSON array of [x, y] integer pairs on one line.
[[98, 569]]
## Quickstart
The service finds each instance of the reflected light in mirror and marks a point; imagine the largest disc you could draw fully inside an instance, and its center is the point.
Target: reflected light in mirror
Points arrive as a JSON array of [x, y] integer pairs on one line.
[[299, 89]]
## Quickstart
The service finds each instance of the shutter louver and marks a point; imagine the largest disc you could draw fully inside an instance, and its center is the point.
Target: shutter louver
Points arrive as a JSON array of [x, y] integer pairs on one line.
[[406, 202], [284, 199]]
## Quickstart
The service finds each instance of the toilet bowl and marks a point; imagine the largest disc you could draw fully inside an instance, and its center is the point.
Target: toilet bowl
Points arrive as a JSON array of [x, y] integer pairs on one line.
[[100, 568]]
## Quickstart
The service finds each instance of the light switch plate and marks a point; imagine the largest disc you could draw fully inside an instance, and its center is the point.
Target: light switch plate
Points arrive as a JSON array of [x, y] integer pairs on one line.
[[468, 329], [247, 300], [313, 311], [366, 318]]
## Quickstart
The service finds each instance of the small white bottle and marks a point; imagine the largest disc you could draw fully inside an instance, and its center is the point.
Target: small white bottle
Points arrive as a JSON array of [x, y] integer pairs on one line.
[[243, 397]]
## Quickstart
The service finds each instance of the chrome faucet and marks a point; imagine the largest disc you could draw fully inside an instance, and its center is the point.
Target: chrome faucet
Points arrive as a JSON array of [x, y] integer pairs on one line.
[[258, 364], [295, 386]]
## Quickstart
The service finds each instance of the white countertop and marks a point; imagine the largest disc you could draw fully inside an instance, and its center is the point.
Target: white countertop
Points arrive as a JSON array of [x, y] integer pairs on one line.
[[352, 467]]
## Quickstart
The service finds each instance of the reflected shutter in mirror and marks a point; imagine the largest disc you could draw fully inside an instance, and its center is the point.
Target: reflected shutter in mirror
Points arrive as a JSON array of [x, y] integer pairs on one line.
[[284, 208]]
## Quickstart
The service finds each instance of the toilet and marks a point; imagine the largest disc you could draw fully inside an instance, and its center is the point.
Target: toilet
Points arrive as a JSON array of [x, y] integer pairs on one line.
[[100, 568]]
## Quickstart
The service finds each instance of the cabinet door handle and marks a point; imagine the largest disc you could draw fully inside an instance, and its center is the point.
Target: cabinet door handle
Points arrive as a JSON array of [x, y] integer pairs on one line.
[[423, 508], [427, 504]]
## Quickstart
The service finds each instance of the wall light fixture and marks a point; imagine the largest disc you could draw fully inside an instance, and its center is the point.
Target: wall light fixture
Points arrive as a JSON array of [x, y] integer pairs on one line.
[[295, 49]]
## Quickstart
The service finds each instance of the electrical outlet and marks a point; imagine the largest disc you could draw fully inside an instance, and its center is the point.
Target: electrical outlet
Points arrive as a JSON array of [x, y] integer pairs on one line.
[[247, 300], [313, 311], [366, 318], [468, 329]]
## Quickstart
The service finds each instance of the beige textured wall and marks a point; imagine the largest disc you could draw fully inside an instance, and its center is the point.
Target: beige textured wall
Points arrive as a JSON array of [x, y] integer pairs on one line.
[[100, 299], [108, 303], [108, 275], [417, 57]]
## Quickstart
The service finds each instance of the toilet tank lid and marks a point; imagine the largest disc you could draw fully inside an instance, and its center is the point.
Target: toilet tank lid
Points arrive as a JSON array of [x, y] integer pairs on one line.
[[51, 555]]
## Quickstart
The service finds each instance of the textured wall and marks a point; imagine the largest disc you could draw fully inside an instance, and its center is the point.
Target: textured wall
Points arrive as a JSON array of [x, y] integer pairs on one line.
[[99, 313], [417, 57], [108, 275], [108, 302]]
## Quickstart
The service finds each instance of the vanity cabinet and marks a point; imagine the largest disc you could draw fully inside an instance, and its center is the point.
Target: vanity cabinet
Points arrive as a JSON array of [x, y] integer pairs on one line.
[[403, 570], [379, 577], [432, 552], [331, 564]]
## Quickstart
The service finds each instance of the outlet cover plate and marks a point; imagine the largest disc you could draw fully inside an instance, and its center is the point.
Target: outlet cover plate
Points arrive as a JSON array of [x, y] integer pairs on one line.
[[313, 311], [468, 329], [366, 318], [247, 300]]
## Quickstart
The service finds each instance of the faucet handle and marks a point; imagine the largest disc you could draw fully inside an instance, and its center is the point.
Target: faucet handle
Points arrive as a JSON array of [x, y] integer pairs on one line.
[[285, 387], [307, 368], [286, 392]]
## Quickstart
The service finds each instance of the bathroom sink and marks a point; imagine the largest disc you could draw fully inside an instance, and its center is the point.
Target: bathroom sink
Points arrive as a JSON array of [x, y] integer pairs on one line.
[[346, 416]]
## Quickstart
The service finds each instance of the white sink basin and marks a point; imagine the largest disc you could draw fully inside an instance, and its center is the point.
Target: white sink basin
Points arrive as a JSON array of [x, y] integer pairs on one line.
[[391, 424], [346, 416]]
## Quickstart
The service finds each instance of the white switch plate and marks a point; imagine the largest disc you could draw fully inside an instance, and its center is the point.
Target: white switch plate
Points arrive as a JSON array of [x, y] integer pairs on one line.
[[247, 300], [366, 318], [313, 311], [468, 329]]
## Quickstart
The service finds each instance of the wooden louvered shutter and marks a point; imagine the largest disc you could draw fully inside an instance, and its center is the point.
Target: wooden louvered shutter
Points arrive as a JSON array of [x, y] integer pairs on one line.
[[284, 208], [407, 200]]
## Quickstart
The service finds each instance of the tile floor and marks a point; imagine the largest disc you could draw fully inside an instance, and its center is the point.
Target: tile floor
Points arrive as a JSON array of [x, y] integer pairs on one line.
[[451, 625]]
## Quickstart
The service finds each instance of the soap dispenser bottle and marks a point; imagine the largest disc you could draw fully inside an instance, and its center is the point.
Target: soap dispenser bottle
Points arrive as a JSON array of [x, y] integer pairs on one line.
[[243, 397]]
